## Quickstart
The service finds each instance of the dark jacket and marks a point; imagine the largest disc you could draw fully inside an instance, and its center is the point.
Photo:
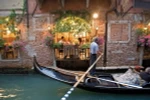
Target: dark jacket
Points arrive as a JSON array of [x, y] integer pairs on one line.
[[145, 76]]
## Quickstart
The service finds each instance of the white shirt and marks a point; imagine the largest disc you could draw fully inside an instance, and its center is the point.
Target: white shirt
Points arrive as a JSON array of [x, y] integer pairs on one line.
[[94, 48]]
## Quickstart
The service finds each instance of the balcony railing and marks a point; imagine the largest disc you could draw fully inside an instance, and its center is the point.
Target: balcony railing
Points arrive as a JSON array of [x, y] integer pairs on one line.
[[72, 52]]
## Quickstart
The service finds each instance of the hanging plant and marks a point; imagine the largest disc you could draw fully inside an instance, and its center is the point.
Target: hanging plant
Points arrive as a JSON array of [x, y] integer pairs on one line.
[[13, 19], [72, 24], [84, 14]]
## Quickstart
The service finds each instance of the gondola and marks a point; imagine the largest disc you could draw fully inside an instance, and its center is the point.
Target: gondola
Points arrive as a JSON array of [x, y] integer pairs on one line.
[[100, 83]]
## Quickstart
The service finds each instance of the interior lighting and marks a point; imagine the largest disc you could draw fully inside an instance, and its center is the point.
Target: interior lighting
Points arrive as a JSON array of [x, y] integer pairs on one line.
[[7, 19], [8, 32], [96, 28], [95, 15], [7, 28], [16, 29], [76, 36], [84, 34], [145, 28], [49, 28]]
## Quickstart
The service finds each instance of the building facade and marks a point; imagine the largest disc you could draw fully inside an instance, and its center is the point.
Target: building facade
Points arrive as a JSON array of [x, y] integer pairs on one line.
[[116, 24]]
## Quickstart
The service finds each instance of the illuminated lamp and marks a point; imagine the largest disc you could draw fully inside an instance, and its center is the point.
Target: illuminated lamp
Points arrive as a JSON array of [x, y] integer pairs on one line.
[[49, 28], [96, 28], [95, 15]]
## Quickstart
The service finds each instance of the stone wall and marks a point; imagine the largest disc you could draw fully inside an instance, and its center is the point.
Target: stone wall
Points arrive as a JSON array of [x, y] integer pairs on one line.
[[123, 53]]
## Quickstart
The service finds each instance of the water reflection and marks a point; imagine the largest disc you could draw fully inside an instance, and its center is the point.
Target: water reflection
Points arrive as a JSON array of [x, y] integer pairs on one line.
[[38, 87], [5, 94]]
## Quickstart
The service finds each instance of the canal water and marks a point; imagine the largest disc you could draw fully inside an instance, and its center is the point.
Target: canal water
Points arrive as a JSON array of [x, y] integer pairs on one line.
[[39, 87]]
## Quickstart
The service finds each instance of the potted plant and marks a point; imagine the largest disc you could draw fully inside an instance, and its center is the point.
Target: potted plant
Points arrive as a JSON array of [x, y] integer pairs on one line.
[[57, 45], [19, 44], [144, 41], [85, 46]]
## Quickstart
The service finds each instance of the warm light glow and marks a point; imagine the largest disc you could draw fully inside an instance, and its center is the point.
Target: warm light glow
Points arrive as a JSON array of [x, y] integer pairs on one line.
[[16, 29], [145, 28], [7, 19], [97, 28], [149, 24], [8, 31], [76, 36], [95, 15], [7, 28], [84, 34], [49, 28]]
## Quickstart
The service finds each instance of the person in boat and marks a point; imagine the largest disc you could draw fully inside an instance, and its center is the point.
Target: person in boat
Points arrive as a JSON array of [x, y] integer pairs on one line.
[[131, 76], [94, 50], [138, 69], [145, 75]]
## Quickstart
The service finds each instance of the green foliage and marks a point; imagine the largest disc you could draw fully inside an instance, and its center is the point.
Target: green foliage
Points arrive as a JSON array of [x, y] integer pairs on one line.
[[85, 46], [13, 15], [72, 24], [72, 21], [9, 22], [141, 31], [2, 20], [57, 45], [11, 19], [84, 14], [2, 42]]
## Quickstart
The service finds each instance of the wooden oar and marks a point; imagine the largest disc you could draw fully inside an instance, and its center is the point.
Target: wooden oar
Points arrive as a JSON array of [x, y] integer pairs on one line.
[[81, 78]]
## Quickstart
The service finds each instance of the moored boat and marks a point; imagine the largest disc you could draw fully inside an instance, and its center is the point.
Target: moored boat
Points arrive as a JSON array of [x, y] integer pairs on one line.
[[101, 83]]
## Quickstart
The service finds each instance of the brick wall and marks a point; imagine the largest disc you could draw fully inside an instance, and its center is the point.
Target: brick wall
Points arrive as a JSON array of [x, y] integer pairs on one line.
[[124, 51]]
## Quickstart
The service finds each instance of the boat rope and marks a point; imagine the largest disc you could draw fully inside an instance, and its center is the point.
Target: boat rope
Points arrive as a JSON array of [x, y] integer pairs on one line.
[[81, 78]]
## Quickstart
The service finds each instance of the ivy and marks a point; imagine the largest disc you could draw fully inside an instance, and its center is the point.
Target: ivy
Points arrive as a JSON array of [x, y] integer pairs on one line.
[[84, 14], [73, 24], [10, 21]]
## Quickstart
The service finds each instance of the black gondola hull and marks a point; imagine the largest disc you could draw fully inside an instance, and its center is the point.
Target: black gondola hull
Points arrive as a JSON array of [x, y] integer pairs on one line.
[[104, 87]]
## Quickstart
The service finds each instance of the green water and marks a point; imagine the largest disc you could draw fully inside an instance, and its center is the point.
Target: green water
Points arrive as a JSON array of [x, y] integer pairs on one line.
[[38, 87]]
